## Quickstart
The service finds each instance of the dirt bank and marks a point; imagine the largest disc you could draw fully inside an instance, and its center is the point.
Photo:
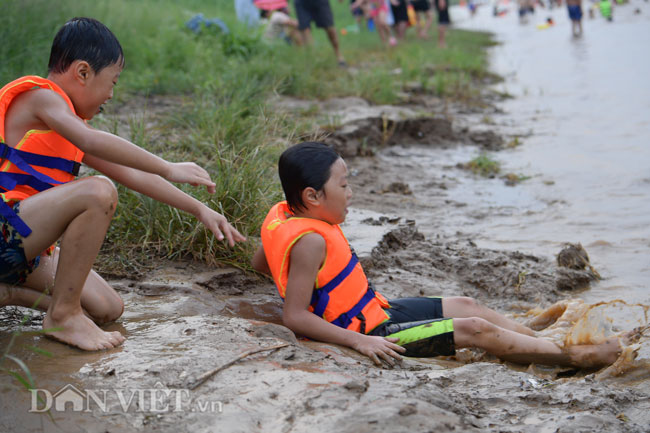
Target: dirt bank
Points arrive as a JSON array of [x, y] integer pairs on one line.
[[183, 320]]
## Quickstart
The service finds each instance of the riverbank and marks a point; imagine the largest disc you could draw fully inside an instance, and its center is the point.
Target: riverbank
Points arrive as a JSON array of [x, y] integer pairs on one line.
[[183, 319]]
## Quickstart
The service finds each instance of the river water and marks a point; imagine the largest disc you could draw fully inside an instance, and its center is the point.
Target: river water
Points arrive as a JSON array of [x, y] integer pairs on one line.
[[582, 107]]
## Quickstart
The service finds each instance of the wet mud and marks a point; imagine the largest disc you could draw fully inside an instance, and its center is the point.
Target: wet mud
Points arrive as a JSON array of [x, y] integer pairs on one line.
[[184, 321], [366, 136]]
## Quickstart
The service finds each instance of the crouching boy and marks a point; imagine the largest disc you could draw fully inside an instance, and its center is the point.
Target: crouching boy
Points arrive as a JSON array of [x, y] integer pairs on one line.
[[44, 138]]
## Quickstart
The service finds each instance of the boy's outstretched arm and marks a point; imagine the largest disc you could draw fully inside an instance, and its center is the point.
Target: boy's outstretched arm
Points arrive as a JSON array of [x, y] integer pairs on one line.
[[159, 189], [51, 111], [307, 255]]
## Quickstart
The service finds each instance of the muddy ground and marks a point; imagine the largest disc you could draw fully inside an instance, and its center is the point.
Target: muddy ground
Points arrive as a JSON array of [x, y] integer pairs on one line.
[[184, 320]]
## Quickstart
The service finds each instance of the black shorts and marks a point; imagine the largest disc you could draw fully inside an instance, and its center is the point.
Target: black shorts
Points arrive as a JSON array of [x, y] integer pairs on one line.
[[357, 12], [399, 12], [420, 326], [14, 266], [443, 14], [318, 11], [421, 5]]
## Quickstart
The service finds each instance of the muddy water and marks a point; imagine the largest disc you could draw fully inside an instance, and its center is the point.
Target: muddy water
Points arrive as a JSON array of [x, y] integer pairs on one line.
[[582, 108]]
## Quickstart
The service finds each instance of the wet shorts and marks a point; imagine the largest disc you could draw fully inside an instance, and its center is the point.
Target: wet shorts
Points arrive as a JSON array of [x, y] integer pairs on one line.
[[443, 14], [318, 11], [420, 326], [575, 12], [400, 12], [14, 266], [421, 5]]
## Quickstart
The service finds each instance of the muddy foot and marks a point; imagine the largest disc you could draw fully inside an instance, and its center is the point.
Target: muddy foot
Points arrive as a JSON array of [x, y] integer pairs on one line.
[[79, 331], [634, 335], [600, 355]]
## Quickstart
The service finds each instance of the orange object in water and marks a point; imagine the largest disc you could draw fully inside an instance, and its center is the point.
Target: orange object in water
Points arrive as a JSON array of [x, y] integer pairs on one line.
[[341, 293]]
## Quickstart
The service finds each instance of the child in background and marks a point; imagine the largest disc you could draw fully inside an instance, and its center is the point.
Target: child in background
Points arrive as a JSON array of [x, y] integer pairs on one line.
[[278, 24], [575, 15], [606, 9], [45, 138], [359, 15], [377, 11], [423, 9], [399, 10], [327, 296], [443, 21], [319, 12]]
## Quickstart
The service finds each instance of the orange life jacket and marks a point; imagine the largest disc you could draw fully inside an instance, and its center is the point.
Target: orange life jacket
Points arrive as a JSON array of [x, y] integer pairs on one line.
[[42, 159], [341, 293]]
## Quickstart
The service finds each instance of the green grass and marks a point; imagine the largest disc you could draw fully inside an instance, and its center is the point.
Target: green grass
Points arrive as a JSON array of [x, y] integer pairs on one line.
[[483, 165], [225, 123]]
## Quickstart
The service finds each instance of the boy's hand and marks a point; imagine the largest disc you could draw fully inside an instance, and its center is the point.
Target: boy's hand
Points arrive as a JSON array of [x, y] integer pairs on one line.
[[379, 347], [189, 172], [219, 225]]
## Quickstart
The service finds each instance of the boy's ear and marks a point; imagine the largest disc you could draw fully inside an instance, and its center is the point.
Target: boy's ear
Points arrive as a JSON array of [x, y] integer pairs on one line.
[[310, 197], [81, 70]]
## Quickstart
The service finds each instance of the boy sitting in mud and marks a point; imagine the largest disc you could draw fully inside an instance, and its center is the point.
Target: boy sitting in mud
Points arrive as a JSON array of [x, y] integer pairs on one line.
[[44, 138], [327, 296]]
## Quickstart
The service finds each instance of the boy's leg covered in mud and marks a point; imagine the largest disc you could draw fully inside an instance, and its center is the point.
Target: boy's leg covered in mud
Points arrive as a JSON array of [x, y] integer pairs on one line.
[[429, 327], [512, 346]]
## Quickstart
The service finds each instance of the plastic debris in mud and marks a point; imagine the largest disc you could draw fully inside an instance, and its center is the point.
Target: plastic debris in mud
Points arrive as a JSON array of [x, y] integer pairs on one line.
[[573, 322]]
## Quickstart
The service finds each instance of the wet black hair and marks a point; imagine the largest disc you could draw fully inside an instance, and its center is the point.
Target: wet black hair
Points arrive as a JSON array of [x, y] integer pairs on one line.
[[304, 165], [84, 39]]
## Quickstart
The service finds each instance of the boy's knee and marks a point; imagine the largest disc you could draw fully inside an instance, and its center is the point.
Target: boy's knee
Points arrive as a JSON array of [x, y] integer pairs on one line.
[[116, 310], [472, 327], [110, 312], [467, 302], [469, 306], [102, 190]]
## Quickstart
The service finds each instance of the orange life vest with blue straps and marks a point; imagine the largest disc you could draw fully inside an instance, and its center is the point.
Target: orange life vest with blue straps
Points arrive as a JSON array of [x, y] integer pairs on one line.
[[42, 159], [342, 294]]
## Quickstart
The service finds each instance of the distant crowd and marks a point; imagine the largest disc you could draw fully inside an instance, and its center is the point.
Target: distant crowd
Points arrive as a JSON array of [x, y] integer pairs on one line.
[[574, 9], [389, 18]]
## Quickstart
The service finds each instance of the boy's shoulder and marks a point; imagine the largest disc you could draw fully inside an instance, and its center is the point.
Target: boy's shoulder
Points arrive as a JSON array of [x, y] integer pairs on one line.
[[28, 82], [22, 103], [35, 87]]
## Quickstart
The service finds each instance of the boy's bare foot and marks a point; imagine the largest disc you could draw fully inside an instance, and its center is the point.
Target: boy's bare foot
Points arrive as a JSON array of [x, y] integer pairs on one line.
[[635, 335], [79, 331], [600, 355]]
